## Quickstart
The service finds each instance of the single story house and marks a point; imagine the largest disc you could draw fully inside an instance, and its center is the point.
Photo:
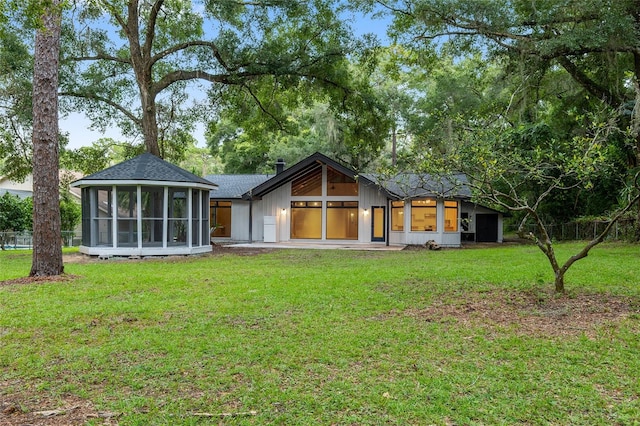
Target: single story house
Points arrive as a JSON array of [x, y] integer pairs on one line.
[[320, 200]]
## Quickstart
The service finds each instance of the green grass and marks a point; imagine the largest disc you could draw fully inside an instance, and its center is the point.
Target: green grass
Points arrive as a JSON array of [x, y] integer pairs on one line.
[[318, 337]]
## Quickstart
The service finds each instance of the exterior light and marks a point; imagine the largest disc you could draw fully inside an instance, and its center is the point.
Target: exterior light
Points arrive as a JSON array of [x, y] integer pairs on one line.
[[366, 212], [283, 212]]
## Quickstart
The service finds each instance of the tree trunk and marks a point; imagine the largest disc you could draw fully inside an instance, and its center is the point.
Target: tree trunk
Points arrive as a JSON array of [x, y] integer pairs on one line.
[[150, 125], [47, 246], [559, 281]]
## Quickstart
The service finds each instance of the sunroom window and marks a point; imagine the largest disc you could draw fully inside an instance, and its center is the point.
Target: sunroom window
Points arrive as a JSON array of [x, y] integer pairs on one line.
[[424, 215]]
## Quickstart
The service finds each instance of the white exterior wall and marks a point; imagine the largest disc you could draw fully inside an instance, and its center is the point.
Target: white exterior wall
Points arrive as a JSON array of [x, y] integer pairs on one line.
[[273, 203], [240, 220], [370, 196]]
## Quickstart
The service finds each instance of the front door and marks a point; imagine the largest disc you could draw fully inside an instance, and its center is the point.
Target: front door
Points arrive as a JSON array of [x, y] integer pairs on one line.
[[378, 223]]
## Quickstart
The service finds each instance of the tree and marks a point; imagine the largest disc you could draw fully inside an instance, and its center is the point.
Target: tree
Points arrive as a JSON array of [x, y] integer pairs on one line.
[[139, 71], [502, 174], [14, 216], [47, 251], [16, 66]]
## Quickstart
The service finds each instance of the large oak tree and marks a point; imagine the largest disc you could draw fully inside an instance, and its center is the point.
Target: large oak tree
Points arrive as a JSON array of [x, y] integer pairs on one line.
[[135, 63]]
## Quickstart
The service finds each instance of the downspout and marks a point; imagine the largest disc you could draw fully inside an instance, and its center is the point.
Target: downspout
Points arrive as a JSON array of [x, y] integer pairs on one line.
[[251, 216]]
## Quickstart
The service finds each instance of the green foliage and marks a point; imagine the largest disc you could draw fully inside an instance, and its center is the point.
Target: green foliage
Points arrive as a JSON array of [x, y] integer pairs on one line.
[[244, 52], [70, 214], [15, 215]]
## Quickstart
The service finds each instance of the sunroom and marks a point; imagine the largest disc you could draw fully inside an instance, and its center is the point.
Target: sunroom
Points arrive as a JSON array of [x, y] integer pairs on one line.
[[145, 207]]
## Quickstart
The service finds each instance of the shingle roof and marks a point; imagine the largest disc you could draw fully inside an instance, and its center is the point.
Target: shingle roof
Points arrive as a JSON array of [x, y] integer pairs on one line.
[[411, 185], [234, 186], [146, 167]]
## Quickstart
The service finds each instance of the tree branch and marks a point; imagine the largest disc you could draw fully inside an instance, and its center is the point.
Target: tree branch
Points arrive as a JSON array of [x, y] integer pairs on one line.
[[107, 101]]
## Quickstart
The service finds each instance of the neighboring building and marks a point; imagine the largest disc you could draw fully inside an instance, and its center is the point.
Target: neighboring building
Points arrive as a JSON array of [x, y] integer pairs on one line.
[[21, 189], [144, 207], [320, 200]]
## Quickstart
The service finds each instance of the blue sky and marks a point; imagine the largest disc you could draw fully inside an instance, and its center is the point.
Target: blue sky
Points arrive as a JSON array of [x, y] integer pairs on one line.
[[77, 125]]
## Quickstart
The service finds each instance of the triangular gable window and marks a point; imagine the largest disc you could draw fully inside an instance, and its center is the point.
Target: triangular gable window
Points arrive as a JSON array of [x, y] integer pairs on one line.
[[309, 184], [339, 184]]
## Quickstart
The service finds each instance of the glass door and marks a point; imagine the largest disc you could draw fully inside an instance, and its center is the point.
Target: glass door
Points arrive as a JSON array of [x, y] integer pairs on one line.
[[378, 223]]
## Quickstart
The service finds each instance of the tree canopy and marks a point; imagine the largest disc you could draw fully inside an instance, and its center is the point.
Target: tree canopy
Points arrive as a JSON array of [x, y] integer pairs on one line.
[[138, 64]]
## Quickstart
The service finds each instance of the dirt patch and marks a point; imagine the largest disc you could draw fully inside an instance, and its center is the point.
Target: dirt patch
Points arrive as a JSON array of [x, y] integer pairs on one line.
[[44, 412], [39, 280], [534, 313]]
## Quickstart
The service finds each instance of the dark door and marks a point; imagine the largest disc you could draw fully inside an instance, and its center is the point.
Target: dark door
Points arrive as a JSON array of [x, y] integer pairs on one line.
[[378, 223], [486, 228]]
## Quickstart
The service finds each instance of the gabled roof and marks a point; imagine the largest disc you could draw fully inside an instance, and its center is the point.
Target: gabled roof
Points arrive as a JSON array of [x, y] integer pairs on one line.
[[235, 186], [301, 168], [145, 168], [412, 185]]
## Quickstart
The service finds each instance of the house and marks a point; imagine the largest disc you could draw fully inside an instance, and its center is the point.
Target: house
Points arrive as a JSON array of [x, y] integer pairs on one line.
[[320, 200], [21, 189], [144, 206]]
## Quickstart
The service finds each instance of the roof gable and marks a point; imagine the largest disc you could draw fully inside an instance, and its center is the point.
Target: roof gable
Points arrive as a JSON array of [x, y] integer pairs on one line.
[[300, 168]]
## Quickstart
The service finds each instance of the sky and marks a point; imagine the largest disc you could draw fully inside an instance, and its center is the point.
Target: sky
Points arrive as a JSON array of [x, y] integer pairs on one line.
[[77, 125]]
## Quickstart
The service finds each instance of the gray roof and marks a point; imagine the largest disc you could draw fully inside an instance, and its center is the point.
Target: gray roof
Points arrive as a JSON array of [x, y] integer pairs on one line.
[[145, 167], [234, 186], [411, 185]]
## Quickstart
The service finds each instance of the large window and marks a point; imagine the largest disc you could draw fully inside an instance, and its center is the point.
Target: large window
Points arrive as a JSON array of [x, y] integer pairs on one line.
[[397, 215], [339, 184], [451, 216], [309, 184], [342, 220], [221, 218], [424, 215], [306, 220]]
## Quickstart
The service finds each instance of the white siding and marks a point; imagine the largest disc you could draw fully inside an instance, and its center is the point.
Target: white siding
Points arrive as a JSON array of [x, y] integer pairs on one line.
[[370, 196], [240, 220]]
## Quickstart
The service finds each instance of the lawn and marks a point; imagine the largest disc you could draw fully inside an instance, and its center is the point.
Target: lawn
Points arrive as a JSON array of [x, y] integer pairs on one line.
[[451, 337]]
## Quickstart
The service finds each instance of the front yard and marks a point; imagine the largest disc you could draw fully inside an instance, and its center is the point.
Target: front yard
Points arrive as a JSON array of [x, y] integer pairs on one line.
[[468, 336]]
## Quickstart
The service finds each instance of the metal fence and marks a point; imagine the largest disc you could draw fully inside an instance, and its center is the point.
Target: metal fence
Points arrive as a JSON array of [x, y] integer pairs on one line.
[[24, 240], [623, 230]]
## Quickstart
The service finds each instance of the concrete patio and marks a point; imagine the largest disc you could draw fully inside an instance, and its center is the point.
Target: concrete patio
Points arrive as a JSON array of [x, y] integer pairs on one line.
[[319, 246]]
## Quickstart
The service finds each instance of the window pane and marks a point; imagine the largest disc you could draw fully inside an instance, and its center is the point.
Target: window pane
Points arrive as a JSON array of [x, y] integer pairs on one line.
[[423, 215], [177, 203], [178, 232], [340, 184], [152, 202], [151, 232], [342, 223], [451, 216], [397, 215], [309, 184], [127, 202], [306, 222]]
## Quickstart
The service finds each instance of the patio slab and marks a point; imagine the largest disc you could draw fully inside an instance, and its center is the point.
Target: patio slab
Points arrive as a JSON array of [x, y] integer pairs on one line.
[[320, 246]]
